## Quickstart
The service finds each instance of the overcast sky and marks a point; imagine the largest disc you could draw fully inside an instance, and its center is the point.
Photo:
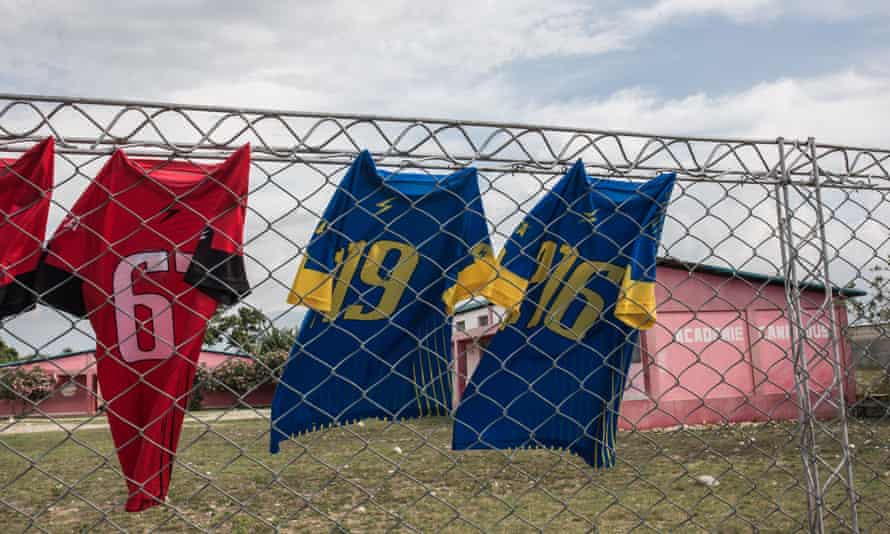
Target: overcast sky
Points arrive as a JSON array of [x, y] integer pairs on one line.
[[724, 67], [751, 68]]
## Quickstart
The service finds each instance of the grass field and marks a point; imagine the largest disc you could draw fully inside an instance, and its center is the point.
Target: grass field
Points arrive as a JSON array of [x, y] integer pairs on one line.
[[356, 479]]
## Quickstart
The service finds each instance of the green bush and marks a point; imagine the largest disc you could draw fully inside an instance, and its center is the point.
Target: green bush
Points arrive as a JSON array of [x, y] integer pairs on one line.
[[243, 376], [20, 383], [273, 364], [236, 375], [199, 386]]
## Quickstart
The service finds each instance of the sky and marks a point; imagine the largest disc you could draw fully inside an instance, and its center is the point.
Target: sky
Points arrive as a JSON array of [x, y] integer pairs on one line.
[[723, 67], [727, 68]]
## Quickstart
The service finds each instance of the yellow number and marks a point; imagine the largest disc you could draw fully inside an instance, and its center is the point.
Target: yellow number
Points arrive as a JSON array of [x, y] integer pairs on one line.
[[568, 258], [544, 261], [552, 310], [344, 275], [393, 286], [593, 305]]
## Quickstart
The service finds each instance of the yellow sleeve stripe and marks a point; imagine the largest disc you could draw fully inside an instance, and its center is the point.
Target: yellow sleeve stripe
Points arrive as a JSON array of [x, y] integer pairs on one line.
[[507, 290], [636, 304], [311, 288], [469, 281]]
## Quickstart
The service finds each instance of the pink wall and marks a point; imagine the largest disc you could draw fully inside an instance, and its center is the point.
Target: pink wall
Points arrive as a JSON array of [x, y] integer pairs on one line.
[[260, 397], [77, 388], [694, 356]]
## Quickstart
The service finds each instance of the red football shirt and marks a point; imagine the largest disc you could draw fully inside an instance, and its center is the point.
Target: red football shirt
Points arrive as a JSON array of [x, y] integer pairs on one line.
[[147, 253], [26, 185]]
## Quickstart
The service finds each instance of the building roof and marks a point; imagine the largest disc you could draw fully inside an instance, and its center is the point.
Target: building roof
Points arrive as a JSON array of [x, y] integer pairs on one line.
[[755, 277], [28, 361], [472, 304], [877, 325]]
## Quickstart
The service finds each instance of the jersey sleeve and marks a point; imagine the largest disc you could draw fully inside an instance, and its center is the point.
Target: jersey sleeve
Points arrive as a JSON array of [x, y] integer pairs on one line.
[[313, 284], [217, 267], [26, 187], [70, 253], [518, 264], [475, 265], [636, 301]]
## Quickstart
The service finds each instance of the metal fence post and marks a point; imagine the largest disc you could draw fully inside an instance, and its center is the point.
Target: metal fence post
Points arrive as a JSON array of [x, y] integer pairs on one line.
[[844, 468], [797, 335]]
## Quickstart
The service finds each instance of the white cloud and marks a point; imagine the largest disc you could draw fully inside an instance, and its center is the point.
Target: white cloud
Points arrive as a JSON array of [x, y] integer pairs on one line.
[[839, 108], [758, 11], [664, 11]]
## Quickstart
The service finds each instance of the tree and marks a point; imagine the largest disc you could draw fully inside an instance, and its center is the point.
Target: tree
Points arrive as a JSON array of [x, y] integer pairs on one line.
[[248, 330], [877, 308], [7, 353], [277, 340]]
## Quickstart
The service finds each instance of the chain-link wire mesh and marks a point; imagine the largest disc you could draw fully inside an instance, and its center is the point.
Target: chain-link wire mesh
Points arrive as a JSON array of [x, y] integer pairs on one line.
[[760, 400]]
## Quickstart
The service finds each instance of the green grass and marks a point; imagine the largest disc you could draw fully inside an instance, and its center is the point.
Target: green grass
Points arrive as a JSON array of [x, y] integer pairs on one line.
[[353, 479]]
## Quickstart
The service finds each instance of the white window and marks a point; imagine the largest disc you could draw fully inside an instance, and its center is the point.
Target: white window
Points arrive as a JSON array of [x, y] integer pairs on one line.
[[637, 355]]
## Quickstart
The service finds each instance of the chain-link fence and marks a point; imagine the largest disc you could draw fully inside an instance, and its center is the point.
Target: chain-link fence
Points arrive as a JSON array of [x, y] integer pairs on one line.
[[760, 399]]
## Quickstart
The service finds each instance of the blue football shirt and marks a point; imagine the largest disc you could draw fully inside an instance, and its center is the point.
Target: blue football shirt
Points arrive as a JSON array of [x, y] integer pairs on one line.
[[392, 255], [578, 275]]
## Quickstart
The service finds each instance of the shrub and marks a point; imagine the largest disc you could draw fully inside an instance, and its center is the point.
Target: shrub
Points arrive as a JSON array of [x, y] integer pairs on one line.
[[20, 383], [201, 384], [273, 365], [241, 376], [236, 375]]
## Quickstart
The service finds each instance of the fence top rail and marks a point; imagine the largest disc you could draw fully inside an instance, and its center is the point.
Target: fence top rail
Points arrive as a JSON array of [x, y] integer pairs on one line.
[[436, 143], [68, 100], [12, 97]]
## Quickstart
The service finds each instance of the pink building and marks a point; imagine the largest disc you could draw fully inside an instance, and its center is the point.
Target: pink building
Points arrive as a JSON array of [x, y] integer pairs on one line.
[[719, 353], [77, 387]]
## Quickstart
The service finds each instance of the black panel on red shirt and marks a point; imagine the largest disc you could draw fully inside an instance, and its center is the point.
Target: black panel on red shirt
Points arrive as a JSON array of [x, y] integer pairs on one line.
[[217, 273]]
